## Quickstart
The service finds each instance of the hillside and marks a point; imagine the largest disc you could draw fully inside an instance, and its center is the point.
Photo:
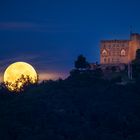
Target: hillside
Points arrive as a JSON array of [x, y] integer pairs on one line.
[[77, 108]]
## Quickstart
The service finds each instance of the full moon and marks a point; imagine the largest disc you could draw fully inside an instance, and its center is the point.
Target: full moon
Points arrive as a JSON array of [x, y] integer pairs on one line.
[[18, 74]]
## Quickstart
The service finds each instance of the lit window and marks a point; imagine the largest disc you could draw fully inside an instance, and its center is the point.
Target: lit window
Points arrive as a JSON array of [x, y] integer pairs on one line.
[[123, 52], [104, 53]]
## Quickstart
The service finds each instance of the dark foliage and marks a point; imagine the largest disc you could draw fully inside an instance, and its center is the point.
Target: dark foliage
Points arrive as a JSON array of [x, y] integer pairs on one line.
[[81, 107], [113, 69], [138, 54], [81, 63], [20, 84], [136, 66]]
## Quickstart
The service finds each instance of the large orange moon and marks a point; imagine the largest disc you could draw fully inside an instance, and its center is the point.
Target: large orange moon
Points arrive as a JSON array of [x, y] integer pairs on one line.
[[17, 70]]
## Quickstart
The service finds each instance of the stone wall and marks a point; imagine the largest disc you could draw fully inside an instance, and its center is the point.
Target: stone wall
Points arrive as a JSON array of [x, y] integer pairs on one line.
[[119, 51]]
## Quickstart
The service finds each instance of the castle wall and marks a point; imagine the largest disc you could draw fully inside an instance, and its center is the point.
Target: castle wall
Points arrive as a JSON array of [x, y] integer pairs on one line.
[[114, 52], [119, 51]]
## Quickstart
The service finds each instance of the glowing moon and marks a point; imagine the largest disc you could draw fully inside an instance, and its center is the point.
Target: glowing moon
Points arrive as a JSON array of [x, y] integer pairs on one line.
[[17, 74]]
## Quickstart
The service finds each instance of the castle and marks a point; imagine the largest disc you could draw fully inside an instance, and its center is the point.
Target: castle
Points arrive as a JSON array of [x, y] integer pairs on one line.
[[117, 52]]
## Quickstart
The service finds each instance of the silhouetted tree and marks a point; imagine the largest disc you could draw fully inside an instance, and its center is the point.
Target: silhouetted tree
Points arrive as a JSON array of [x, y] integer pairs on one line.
[[98, 73], [81, 63], [136, 66], [113, 68], [20, 84], [138, 54], [74, 72]]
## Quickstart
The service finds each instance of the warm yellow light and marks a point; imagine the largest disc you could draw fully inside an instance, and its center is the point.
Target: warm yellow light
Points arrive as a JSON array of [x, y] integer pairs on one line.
[[17, 74]]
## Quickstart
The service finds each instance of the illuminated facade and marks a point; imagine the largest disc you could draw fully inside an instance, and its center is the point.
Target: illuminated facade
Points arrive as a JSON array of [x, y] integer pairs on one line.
[[119, 51]]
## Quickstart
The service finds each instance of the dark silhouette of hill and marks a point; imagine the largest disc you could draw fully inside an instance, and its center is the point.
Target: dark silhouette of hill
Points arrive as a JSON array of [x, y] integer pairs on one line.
[[84, 106], [81, 107]]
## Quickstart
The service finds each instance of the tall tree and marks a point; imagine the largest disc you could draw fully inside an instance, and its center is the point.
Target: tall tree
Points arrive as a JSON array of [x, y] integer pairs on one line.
[[138, 54], [136, 65], [81, 63]]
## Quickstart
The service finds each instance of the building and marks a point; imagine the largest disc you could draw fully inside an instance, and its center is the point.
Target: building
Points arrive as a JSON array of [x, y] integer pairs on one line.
[[118, 52]]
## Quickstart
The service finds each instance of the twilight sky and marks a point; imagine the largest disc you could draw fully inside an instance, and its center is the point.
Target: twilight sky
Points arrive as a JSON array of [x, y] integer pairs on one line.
[[50, 34]]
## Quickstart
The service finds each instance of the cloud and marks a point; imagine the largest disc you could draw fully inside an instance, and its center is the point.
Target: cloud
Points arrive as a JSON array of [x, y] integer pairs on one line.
[[50, 75], [44, 76], [16, 25], [45, 67], [5, 62], [37, 27]]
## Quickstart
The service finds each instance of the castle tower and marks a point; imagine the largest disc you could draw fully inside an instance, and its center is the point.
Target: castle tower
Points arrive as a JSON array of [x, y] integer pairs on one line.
[[134, 45]]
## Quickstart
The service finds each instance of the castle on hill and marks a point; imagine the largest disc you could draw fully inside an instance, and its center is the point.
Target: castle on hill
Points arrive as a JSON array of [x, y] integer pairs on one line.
[[117, 52]]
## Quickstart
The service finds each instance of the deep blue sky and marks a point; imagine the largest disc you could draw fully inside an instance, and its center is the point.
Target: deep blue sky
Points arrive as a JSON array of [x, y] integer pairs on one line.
[[50, 34]]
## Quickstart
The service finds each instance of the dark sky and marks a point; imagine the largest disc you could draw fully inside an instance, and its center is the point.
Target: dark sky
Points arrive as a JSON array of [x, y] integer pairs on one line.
[[50, 34]]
